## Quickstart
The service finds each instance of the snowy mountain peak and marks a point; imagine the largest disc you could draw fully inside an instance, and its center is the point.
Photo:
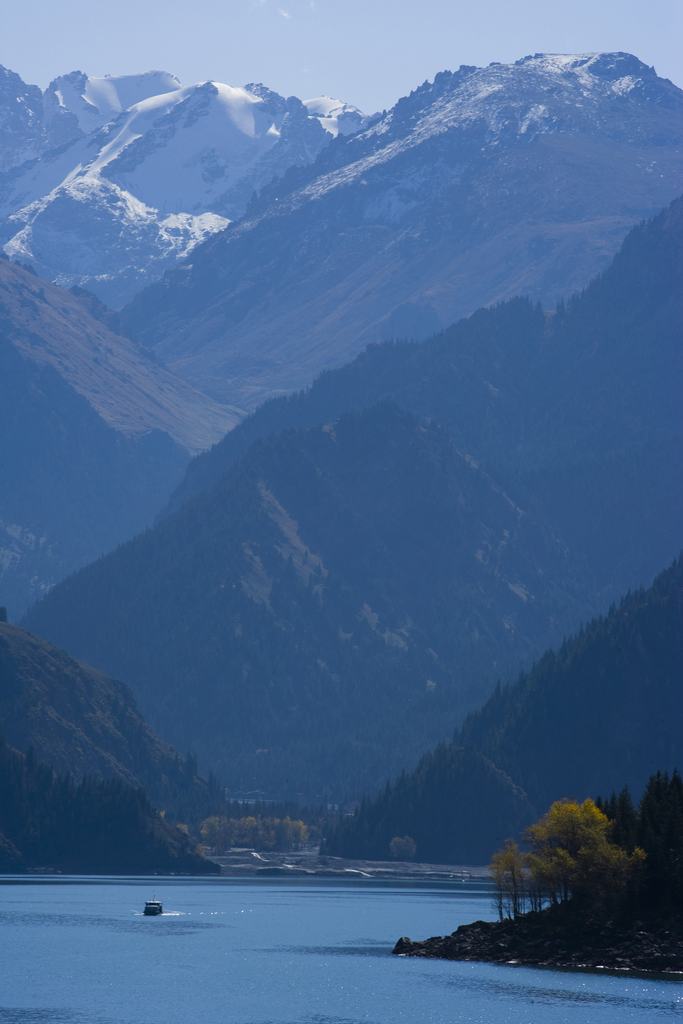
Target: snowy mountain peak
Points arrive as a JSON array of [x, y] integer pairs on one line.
[[90, 231], [117, 178], [337, 117], [96, 101], [610, 66]]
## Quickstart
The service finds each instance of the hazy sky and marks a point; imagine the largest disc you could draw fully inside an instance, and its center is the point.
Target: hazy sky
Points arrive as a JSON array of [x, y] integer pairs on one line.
[[368, 52]]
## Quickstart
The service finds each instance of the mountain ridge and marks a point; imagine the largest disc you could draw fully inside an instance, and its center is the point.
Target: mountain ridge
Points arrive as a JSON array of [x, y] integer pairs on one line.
[[478, 186], [127, 387], [576, 411]]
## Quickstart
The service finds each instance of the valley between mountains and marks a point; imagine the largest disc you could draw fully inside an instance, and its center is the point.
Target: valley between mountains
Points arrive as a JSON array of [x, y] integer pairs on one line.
[[319, 430], [341, 595]]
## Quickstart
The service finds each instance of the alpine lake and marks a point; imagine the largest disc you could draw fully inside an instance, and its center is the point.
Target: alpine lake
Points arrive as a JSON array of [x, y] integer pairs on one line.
[[279, 951]]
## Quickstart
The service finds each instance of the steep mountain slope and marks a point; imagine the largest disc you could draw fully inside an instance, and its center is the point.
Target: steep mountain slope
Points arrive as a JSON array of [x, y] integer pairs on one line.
[[77, 719], [578, 412], [484, 184], [25, 133], [145, 169], [130, 390], [86, 725], [602, 712], [95, 434], [336, 603]]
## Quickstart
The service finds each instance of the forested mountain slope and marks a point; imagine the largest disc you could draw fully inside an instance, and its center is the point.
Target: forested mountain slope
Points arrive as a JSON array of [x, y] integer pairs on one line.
[[456, 806], [92, 827], [328, 611], [95, 434], [81, 722], [578, 413], [484, 184], [602, 712]]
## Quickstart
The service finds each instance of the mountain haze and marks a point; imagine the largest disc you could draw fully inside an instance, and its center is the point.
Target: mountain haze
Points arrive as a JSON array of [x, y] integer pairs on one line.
[[347, 573], [95, 434], [600, 713], [334, 605], [484, 184], [332, 585], [577, 413]]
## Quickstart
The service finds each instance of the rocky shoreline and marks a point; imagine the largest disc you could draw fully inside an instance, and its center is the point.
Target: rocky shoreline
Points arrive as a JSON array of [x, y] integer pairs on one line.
[[552, 939]]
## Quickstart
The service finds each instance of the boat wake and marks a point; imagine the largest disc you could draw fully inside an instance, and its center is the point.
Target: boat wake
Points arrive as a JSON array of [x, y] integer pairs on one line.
[[166, 913]]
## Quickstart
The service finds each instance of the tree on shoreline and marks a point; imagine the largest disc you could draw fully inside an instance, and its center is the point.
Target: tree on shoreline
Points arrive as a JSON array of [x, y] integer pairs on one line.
[[571, 857]]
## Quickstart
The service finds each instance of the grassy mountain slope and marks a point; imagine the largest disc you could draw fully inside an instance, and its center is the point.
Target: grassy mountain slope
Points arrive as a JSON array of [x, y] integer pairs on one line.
[[329, 610], [74, 333], [95, 434], [601, 712]]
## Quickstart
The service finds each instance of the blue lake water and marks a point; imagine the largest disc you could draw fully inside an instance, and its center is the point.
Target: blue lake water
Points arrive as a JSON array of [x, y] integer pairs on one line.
[[78, 951]]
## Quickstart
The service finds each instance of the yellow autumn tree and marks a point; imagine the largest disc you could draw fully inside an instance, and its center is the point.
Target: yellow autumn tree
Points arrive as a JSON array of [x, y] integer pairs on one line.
[[255, 833], [570, 856], [510, 876]]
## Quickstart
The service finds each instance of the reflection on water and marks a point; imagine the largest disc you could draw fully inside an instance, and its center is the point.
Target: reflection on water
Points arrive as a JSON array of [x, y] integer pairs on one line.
[[80, 951]]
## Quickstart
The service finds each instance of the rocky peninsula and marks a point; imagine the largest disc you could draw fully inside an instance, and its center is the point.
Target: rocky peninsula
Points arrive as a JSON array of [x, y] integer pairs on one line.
[[552, 938]]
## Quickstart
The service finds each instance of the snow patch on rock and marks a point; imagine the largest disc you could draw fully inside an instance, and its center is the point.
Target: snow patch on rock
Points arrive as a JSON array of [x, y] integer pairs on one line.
[[114, 179]]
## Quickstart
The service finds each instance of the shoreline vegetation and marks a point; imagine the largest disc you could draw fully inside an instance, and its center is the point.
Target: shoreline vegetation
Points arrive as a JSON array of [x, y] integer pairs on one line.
[[601, 886]]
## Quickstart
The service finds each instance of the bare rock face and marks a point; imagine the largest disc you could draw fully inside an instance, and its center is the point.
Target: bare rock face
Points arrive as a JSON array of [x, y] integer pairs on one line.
[[481, 185], [27, 130]]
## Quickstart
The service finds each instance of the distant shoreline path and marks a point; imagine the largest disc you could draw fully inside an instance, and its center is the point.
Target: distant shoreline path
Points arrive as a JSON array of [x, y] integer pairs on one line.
[[307, 863]]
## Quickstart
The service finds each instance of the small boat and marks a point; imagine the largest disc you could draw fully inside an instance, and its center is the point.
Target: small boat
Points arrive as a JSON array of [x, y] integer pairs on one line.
[[153, 908]]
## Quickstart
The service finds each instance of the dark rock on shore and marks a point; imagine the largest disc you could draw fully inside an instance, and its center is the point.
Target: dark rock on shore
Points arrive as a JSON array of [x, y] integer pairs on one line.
[[552, 938]]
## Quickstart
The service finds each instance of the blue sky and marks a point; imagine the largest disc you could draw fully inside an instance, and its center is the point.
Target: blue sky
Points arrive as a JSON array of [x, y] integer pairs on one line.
[[368, 52]]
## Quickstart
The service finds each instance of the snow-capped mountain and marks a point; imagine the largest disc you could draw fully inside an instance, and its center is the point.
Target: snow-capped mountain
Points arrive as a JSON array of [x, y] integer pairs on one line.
[[91, 233], [94, 102], [483, 184], [116, 179]]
